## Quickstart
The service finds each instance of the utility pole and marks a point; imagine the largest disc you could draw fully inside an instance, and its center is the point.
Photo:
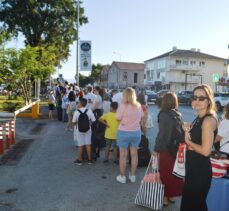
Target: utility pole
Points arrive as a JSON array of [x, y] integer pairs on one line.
[[77, 43]]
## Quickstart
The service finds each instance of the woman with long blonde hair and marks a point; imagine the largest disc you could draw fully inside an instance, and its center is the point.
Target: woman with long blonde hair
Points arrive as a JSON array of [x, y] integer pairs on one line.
[[129, 133]]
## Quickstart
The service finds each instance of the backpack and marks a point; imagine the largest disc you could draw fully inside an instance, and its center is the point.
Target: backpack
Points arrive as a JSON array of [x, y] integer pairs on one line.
[[178, 132], [144, 153], [83, 121]]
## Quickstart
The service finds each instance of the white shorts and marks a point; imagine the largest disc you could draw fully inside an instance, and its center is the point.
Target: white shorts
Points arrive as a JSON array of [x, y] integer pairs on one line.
[[82, 138]]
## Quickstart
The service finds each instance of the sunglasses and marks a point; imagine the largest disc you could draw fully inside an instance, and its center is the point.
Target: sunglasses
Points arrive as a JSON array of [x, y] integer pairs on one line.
[[200, 98]]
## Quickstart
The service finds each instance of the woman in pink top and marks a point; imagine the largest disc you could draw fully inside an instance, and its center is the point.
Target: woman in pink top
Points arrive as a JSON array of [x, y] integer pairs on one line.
[[129, 133]]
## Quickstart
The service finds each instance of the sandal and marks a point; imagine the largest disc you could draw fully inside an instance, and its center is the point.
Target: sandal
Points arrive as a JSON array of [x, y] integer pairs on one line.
[[171, 200]]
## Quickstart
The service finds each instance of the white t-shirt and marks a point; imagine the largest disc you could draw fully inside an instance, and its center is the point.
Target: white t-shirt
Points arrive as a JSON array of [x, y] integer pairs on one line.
[[106, 106], [223, 130], [90, 99], [117, 98], [76, 114], [64, 101], [99, 101]]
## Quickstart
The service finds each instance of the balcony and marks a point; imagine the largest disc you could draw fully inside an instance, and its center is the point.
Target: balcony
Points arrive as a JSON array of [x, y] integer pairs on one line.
[[185, 68], [188, 78]]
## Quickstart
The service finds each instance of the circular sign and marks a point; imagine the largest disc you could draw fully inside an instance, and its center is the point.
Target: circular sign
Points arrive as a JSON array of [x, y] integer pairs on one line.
[[85, 46]]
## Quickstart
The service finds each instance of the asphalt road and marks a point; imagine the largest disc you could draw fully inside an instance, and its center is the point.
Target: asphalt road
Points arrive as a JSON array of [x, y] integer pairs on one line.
[[46, 179]]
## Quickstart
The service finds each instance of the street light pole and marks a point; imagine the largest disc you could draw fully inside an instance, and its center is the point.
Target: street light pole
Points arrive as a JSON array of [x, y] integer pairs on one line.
[[77, 43], [192, 74]]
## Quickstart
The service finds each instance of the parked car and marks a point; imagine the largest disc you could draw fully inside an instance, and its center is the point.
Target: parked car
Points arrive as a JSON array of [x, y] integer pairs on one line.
[[151, 96], [184, 97], [160, 94], [221, 99]]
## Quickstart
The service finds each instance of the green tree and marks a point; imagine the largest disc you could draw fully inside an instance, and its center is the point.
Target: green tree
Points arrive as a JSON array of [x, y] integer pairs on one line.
[[95, 73], [43, 23], [84, 80], [21, 67]]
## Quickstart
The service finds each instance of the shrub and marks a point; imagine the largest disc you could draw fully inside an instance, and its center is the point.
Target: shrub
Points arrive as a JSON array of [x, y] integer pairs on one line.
[[11, 106]]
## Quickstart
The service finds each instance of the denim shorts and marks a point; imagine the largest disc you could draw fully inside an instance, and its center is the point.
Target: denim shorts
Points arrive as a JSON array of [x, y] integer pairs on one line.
[[128, 138]]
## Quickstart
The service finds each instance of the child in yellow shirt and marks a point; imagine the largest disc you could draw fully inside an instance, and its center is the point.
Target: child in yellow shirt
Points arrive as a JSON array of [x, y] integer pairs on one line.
[[109, 119]]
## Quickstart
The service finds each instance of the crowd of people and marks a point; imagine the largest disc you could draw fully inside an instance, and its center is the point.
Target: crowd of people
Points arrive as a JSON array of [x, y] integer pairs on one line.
[[124, 115]]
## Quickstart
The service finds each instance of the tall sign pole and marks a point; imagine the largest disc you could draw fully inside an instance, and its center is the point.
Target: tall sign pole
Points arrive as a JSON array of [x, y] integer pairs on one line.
[[77, 43]]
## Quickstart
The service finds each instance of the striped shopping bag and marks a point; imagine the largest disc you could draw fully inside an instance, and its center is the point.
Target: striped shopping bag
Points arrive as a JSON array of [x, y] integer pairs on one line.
[[219, 167], [151, 194]]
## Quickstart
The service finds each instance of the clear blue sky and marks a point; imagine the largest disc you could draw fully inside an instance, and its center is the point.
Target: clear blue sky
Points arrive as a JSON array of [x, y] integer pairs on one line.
[[138, 30]]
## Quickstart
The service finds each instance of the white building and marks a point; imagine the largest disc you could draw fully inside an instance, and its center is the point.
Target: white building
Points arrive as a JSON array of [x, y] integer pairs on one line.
[[183, 69], [125, 74]]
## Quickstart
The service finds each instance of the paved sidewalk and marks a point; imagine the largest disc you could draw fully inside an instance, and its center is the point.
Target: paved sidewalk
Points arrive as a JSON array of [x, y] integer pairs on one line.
[[46, 179]]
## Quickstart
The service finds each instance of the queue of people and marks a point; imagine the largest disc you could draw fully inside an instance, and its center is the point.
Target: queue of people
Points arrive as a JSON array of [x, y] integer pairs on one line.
[[122, 117]]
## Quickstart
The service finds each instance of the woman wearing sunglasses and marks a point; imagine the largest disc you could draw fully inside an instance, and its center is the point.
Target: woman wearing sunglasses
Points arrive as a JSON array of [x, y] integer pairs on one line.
[[199, 138]]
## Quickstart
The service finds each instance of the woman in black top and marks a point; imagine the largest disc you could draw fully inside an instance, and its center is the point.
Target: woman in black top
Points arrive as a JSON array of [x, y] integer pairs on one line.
[[169, 135], [199, 138]]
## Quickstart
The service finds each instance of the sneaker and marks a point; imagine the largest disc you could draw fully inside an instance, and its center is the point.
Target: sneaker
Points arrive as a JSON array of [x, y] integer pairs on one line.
[[106, 161], [132, 178], [121, 179], [78, 162], [89, 162]]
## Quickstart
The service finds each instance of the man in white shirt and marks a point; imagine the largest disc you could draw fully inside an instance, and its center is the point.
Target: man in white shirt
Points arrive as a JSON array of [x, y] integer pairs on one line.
[[117, 96], [90, 97]]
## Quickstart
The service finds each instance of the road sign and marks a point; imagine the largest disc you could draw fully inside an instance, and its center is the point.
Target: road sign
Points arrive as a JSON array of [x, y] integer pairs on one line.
[[215, 77], [85, 55]]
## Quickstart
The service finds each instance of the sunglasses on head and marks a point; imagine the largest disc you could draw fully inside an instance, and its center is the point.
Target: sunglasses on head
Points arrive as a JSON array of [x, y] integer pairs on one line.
[[200, 98]]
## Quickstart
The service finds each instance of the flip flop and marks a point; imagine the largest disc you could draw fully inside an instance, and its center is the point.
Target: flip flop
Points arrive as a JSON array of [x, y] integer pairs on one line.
[[171, 201]]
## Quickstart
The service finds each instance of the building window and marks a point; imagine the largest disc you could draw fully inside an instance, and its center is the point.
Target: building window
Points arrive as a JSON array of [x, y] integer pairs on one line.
[[158, 74], [148, 74], [161, 64], [185, 62], [201, 63], [192, 62], [178, 62], [125, 76], [135, 78]]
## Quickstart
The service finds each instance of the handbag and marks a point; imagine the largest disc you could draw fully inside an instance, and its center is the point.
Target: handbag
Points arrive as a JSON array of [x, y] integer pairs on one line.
[[220, 163], [151, 191], [179, 165]]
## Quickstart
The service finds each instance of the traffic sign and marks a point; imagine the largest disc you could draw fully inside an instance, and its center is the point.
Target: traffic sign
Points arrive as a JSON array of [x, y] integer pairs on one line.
[[215, 77]]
